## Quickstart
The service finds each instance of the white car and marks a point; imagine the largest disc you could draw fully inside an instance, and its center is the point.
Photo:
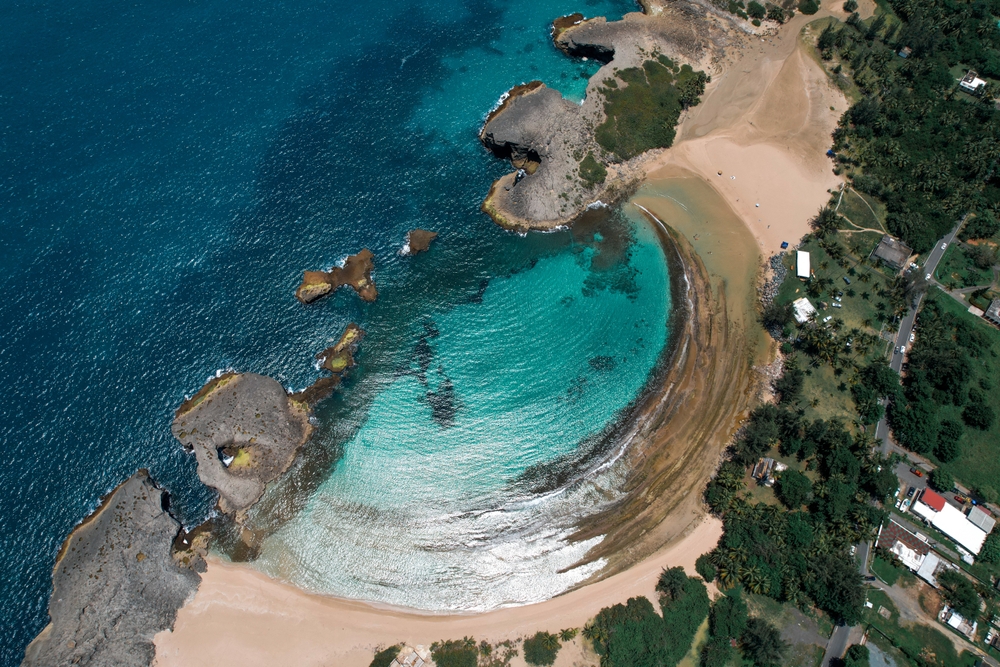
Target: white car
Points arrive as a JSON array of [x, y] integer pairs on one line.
[[902, 349], [827, 318], [927, 277], [943, 246], [912, 336]]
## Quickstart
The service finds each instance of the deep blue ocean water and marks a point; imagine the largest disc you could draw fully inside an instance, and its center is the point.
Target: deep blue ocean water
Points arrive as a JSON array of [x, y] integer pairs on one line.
[[168, 169]]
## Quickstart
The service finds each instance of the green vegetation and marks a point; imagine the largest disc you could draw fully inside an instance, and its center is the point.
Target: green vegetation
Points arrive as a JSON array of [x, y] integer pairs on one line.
[[913, 140], [642, 114], [960, 593], [705, 568], [541, 649], [966, 265], [591, 171], [857, 656], [947, 407], [808, 7], [886, 570], [455, 653], [385, 657], [941, 479], [922, 645], [990, 552], [633, 634]]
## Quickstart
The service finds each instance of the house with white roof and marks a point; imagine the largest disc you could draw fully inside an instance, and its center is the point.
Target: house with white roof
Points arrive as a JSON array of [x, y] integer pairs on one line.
[[934, 509]]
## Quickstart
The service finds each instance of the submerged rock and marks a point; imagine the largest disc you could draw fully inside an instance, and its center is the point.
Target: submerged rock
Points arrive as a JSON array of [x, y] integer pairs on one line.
[[356, 272], [244, 431], [417, 241], [117, 582]]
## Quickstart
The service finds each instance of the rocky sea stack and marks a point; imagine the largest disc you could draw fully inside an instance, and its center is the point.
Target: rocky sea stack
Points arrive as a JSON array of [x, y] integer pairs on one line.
[[117, 582], [356, 272], [417, 241], [245, 431]]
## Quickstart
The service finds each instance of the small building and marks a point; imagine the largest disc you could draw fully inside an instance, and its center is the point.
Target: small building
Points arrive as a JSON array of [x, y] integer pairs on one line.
[[954, 620], [981, 517], [934, 509], [893, 252], [971, 83], [993, 312], [910, 548], [905, 52], [802, 269], [803, 310], [763, 470]]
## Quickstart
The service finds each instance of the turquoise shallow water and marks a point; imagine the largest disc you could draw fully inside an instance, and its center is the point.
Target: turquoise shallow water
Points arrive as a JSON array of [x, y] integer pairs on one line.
[[434, 504], [169, 169]]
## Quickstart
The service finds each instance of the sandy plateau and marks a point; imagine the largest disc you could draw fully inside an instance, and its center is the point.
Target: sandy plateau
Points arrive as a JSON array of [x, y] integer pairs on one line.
[[765, 123]]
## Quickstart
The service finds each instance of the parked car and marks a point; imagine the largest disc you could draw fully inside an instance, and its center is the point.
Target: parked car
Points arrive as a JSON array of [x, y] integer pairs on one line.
[[912, 336], [943, 246], [917, 471], [847, 280], [911, 491], [960, 498], [927, 277]]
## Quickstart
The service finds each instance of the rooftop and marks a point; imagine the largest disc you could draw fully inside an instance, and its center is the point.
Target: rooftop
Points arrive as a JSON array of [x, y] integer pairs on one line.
[[893, 252], [982, 518], [993, 312], [933, 500], [803, 310]]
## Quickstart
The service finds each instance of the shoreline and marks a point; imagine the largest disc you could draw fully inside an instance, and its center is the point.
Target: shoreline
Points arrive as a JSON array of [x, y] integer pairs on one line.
[[241, 617]]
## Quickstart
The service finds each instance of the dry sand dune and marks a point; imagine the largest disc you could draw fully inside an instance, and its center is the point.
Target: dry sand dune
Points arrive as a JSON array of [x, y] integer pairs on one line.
[[766, 123]]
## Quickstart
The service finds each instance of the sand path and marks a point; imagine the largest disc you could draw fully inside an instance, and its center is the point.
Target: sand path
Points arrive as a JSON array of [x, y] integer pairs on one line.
[[767, 121]]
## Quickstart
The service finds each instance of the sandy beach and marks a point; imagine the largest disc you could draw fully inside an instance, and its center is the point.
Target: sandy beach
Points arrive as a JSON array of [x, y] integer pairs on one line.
[[765, 123], [241, 617]]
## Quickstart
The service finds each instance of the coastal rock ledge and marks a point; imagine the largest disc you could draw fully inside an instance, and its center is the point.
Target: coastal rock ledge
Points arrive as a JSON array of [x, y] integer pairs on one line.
[[116, 582]]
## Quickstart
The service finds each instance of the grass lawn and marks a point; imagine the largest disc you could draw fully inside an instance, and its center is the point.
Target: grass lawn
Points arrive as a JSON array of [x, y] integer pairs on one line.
[[957, 270], [863, 211], [886, 571], [978, 467], [914, 640]]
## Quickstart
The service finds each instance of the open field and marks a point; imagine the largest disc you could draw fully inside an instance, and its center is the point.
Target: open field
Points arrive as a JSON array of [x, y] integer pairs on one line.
[[911, 638], [957, 269]]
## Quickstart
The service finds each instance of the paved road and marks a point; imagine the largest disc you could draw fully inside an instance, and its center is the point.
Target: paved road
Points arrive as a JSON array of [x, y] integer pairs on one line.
[[906, 326], [841, 636]]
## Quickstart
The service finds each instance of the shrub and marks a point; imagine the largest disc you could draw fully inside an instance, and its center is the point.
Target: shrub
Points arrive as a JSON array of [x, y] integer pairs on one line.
[[990, 553], [941, 479], [851, 6], [808, 7], [982, 226], [591, 171], [755, 10], [776, 13], [643, 114], [541, 649], [793, 489], [729, 616], [977, 413], [705, 568], [948, 446], [455, 653], [385, 657], [762, 643]]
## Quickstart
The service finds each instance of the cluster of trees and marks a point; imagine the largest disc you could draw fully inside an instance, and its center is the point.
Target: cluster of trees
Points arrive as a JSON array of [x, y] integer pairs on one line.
[[635, 635], [541, 648], [959, 593], [799, 554], [912, 140], [940, 373], [643, 114]]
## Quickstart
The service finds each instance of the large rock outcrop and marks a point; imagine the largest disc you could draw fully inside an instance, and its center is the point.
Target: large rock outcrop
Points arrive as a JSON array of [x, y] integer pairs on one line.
[[116, 583], [550, 141], [356, 272], [244, 431]]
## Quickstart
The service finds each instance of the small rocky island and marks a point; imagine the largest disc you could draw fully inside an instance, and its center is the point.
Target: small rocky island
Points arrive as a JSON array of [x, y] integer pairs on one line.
[[356, 272], [417, 241], [117, 581], [568, 156], [245, 429]]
